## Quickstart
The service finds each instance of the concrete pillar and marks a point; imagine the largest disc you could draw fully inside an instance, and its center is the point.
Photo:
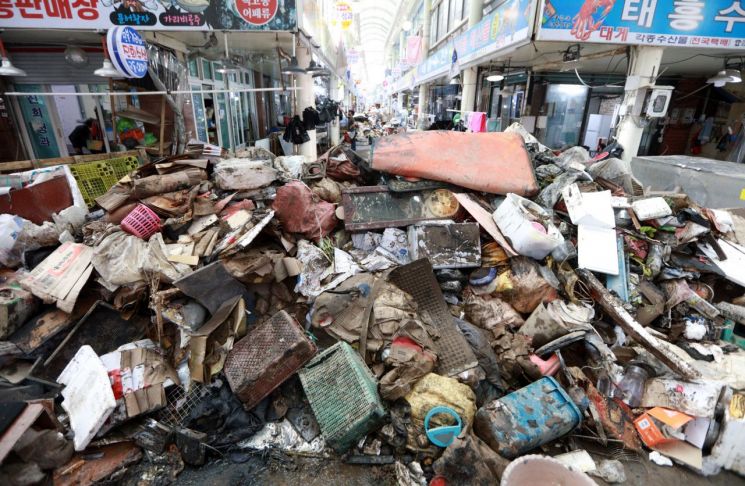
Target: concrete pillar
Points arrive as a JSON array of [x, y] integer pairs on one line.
[[334, 125], [469, 75], [306, 98], [645, 65], [422, 117]]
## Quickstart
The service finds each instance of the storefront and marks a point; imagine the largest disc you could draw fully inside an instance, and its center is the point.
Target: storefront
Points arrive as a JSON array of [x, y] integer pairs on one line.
[[222, 88]]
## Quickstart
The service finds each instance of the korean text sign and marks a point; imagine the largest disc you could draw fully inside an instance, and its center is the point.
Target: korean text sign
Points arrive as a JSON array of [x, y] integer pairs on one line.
[[279, 15], [684, 23], [508, 25]]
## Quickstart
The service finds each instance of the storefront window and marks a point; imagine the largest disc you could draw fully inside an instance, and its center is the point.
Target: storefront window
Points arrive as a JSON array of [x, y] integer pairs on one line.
[[222, 117], [443, 20], [433, 24], [247, 117], [193, 68], [235, 114], [564, 109], [206, 69], [200, 118], [38, 122]]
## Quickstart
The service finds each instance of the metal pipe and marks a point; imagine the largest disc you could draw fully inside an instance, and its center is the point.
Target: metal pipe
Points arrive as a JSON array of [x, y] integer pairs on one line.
[[147, 93]]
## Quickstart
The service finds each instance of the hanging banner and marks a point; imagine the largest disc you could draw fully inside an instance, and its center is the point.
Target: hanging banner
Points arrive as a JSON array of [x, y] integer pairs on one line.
[[353, 56], [413, 50], [238, 15], [680, 23], [344, 15]]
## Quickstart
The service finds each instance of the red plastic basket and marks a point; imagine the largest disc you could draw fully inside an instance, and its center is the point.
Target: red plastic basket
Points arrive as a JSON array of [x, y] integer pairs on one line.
[[141, 222]]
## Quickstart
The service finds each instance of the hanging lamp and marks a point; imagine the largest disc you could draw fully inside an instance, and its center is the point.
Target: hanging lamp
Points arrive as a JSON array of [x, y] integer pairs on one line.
[[107, 70], [6, 67], [293, 67]]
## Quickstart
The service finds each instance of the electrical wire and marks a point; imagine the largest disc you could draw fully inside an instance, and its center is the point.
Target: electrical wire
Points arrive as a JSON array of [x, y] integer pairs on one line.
[[693, 57], [582, 81], [693, 92]]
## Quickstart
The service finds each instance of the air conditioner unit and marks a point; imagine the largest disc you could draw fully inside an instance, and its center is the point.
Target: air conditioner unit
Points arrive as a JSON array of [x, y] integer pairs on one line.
[[659, 101]]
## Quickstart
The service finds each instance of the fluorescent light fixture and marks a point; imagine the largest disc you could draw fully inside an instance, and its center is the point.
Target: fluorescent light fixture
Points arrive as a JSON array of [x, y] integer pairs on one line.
[[227, 67]]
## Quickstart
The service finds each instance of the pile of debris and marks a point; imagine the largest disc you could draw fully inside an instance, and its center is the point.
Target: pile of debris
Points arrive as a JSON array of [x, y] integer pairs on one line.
[[447, 307]]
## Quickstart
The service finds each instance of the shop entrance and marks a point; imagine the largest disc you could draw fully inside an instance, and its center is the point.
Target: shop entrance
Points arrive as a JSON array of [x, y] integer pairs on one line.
[[68, 110]]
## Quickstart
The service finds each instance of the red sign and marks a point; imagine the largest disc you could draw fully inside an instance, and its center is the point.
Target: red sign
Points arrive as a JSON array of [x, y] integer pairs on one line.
[[257, 12]]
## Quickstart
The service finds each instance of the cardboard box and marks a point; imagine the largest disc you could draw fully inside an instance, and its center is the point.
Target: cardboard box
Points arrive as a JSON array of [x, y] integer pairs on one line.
[[650, 426], [210, 344], [62, 275]]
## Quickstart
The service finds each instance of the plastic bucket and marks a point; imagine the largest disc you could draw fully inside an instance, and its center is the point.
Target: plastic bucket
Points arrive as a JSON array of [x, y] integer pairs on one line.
[[527, 418], [536, 470], [141, 222]]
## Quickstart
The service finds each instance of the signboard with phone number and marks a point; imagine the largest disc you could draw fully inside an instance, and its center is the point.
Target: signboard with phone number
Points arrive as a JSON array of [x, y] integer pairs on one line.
[[716, 24]]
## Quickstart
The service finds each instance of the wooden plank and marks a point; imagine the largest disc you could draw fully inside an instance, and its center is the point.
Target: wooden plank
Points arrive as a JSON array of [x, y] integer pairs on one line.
[[192, 260], [19, 165], [614, 309]]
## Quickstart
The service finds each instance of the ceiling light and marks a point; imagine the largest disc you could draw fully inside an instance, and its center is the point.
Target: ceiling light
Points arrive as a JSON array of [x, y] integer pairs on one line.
[[734, 75], [313, 67], [293, 67], [323, 73], [455, 80], [494, 77], [8, 69], [406, 25], [724, 77], [107, 70], [76, 56]]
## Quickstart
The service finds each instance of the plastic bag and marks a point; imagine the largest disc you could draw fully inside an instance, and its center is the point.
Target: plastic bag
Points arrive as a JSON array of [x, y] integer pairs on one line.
[[123, 259], [10, 230], [528, 227]]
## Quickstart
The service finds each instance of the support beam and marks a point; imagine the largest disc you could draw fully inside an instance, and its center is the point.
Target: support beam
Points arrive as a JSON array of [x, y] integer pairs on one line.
[[334, 124], [469, 76], [614, 309], [306, 98], [422, 117]]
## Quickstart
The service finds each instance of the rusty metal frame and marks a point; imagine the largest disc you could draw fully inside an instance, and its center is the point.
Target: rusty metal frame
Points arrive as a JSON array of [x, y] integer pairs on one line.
[[347, 203]]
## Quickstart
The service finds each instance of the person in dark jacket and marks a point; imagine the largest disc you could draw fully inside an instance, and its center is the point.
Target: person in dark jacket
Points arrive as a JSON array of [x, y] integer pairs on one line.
[[80, 135]]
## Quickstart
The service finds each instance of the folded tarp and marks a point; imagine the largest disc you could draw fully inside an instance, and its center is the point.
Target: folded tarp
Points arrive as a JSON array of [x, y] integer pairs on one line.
[[497, 163]]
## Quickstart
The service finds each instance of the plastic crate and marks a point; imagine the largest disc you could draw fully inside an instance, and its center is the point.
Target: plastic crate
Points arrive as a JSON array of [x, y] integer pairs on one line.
[[95, 178], [268, 355], [141, 222], [343, 395]]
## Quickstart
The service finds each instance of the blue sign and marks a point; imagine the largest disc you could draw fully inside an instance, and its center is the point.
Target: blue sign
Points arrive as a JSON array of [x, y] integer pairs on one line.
[[508, 25], [687, 23], [127, 51]]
